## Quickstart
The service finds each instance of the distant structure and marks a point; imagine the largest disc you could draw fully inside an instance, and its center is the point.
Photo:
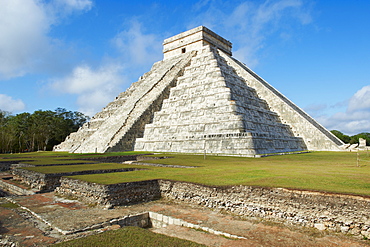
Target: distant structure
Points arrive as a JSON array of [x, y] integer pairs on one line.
[[362, 143], [200, 99]]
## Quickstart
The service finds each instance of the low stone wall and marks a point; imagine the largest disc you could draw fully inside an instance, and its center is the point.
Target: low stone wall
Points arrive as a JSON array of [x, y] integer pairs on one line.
[[7, 165], [110, 195], [13, 189], [339, 213], [49, 182], [140, 220], [36, 180], [159, 220]]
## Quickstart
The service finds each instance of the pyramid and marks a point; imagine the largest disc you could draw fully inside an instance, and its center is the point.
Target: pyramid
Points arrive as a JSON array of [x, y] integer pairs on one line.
[[200, 99]]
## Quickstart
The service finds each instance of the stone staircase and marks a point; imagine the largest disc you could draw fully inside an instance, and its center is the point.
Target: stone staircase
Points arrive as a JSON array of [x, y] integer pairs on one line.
[[122, 120]]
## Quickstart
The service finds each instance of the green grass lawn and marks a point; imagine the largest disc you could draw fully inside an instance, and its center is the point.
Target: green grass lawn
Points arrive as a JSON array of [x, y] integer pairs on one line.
[[45, 158], [80, 167], [131, 237], [321, 171]]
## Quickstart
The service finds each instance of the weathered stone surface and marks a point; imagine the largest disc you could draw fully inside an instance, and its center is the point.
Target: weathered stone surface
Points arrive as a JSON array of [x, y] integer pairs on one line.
[[213, 109], [49, 182], [9, 186], [110, 195], [315, 136], [193, 40], [339, 213], [362, 143], [200, 99]]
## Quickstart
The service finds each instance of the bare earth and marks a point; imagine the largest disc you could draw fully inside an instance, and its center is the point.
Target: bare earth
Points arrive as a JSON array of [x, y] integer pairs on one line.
[[26, 227]]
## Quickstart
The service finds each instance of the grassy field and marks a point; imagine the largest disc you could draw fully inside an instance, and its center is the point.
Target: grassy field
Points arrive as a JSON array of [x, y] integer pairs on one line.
[[321, 171], [76, 168], [45, 158], [130, 237]]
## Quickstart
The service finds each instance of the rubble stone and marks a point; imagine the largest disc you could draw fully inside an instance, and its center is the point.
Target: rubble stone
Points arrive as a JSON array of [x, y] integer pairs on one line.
[[348, 214]]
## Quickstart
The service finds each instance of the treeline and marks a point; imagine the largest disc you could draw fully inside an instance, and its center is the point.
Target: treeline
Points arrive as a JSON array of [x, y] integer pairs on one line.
[[352, 139], [40, 130]]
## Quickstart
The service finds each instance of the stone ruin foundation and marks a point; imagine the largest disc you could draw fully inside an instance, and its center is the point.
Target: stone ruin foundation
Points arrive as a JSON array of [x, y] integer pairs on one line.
[[324, 211]]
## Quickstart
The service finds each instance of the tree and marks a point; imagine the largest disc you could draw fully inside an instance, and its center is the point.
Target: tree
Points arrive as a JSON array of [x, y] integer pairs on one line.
[[40, 130], [366, 136], [44, 125], [19, 129], [344, 138], [6, 138], [77, 118]]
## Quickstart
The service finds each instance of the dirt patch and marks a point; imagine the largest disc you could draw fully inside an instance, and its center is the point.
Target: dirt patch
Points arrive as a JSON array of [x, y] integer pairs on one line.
[[9, 178], [17, 227], [256, 233], [66, 214]]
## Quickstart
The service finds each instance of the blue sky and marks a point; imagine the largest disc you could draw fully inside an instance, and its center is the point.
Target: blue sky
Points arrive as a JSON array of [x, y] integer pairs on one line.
[[80, 54]]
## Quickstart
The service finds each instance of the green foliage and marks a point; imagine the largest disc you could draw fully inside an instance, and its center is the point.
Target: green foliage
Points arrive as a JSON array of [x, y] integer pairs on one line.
[[352, 139], [344, 138], [131, 237], [355, 138], [40, 130]]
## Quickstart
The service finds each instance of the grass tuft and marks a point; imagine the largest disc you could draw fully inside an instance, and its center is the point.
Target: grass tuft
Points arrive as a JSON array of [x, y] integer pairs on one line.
[[129, 237], [9, 205]]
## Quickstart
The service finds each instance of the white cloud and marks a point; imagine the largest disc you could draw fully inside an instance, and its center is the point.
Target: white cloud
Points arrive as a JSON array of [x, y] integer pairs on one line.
[[250, 24], [262, 22], [94, 87], [60, 8], [137, 47], [360, 100], [355, 119], [92, 102], [79, 5], [9, 104], [24, 28]]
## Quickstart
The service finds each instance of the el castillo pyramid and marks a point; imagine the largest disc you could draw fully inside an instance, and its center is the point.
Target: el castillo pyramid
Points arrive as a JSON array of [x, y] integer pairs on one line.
[[200, 99]]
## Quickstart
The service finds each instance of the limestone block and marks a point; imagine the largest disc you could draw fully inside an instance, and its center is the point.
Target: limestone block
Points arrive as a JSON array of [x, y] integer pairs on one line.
[[320, 226], [177, 222]]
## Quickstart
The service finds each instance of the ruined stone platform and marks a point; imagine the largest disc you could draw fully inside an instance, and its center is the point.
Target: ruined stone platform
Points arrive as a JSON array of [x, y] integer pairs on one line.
[[44, 217]]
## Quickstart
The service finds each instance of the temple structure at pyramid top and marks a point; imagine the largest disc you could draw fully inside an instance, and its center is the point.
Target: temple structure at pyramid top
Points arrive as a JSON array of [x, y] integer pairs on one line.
[[200, 99], [193, 40]]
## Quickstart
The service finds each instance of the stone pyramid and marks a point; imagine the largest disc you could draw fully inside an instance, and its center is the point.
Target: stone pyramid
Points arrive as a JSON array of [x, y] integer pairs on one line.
[[200, 99]]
